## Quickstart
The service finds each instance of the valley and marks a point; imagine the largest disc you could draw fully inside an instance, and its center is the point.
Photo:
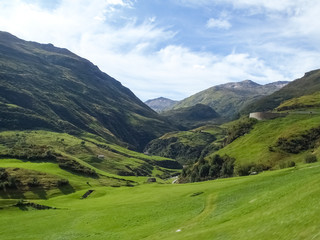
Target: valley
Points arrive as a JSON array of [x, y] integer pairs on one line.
[[81, 157]]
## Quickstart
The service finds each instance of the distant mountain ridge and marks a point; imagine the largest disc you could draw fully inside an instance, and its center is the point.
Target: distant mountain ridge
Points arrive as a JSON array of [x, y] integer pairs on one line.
[[228, 99], [160, 104], [191, 117], [45, 87]]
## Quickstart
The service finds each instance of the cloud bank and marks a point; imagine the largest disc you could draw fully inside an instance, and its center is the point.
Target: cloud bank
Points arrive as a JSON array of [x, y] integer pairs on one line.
[[146, 57]]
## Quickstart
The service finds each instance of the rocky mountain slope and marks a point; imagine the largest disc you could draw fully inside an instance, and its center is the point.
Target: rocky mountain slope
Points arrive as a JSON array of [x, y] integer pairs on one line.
[[45, 87], [228, 99]]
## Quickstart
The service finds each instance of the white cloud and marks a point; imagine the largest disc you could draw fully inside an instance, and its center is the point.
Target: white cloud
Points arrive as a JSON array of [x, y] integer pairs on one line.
[[130, 52], [218, 23]]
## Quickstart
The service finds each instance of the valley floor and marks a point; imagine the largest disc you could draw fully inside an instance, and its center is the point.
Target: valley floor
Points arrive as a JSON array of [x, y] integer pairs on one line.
[[279, 204]]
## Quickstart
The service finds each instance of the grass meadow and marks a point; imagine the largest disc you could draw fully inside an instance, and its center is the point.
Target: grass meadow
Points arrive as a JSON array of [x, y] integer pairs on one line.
[[280, 204]]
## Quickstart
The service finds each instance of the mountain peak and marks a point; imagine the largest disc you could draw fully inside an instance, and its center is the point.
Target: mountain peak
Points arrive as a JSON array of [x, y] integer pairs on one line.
[[243, 85], [160, 104]]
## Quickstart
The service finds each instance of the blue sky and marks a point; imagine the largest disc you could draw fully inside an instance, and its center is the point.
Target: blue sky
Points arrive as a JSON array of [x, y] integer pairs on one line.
[[175, 48]]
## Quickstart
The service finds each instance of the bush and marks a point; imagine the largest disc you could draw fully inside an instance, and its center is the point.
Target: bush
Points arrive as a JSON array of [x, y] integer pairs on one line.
[[62, 182], [34, 182], [310, 158], [249, 168], [287, 164]]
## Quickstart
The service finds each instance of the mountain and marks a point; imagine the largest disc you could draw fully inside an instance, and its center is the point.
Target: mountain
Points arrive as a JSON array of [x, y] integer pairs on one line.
[[228, 99], [191, 117], [160, 104], [45, 87], [308, 84]]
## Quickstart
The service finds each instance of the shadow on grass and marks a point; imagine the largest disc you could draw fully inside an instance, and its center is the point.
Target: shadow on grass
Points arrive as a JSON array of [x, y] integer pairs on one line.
[[40, 191], [66, 189], [11, 194]]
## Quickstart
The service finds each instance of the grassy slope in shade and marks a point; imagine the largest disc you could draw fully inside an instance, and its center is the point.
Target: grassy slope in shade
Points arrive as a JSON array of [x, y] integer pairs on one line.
[[254, 146], [44, 87], [273, 205], [192, 117]]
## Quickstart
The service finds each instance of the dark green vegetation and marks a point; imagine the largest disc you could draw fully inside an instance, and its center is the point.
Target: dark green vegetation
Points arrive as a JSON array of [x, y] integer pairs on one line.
[[216, 167], [192, 117], [308, 84], [229, 99], [188, 146], [160, 104], [44, 87]]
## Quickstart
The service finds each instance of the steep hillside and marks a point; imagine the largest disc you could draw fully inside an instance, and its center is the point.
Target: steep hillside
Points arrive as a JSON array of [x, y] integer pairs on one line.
[[160, 104], [44, 87], [307, 101], [187, 146], [191, 117], [269, 144], [228, 99], [308, 84]]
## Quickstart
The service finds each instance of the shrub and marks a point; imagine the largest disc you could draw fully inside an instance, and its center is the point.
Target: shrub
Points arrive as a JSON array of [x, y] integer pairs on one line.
[[249, 168], [62, 182], [287, 164], [34, 182], [291, 164], [310, 158]]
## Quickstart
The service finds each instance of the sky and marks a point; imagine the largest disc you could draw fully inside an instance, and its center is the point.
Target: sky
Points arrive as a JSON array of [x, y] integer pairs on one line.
[[176, 48]]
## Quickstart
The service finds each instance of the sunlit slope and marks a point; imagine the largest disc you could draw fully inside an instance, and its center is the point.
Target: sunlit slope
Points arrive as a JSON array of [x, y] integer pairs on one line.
[[273, 205], [88, 155], [272, 142]]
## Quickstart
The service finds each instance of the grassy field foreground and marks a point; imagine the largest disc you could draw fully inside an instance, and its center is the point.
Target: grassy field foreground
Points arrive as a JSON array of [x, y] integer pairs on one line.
[[280, 204]]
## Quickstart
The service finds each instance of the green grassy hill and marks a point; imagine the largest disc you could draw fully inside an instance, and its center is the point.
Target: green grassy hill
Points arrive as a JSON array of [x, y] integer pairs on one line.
[[263, 143], [89, 151], [281, 204], [44, 87], [307, 101]]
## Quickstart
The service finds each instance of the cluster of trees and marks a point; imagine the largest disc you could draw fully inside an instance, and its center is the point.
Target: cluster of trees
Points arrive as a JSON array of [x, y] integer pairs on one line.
[[217, 167]]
